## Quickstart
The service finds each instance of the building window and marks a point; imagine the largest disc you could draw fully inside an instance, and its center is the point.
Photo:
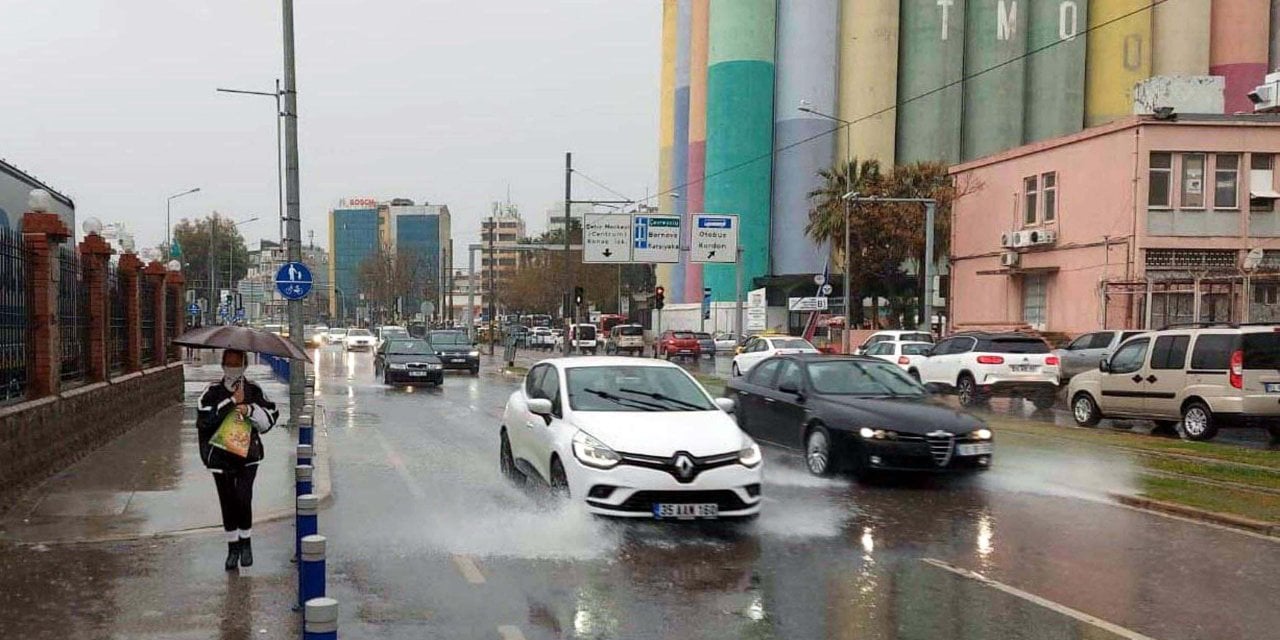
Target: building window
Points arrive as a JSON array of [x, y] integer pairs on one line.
[[1029, 189], [1266, 294], [1226, 181], [1192, 181], [1261, 182], [1034, 300], [1049, 187], [1188, 259], [1160, 180]]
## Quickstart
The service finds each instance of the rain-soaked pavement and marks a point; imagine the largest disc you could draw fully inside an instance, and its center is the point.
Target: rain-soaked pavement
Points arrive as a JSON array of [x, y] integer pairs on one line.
[[426, 541]]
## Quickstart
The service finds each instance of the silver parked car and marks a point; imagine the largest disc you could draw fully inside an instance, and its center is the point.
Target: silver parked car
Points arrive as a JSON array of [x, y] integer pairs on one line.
[[1084, 352]]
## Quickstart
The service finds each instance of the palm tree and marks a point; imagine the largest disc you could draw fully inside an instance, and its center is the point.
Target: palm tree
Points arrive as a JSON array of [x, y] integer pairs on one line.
[[826, 215]]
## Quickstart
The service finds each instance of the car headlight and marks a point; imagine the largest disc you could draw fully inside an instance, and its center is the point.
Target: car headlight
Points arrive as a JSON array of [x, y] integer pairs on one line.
[[398, 367], [434, 367], [749, 455], [594, 453], [474, 354], [868, 433], [981, 434]]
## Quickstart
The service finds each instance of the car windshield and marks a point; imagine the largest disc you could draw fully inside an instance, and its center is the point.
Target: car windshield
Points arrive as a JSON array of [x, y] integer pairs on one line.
[[682, 335], [1016, 345], [338, 332], [631, 330], [635, 389], [586, 331], [859, 378], [408, 348], [359, 332], [791, 343], [915, 337], [916, 349], [449, 338], [392, 333], [703, 336]]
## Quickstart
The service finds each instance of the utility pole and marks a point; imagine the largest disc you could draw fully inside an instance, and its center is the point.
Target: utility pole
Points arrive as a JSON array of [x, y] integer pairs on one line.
[[569, 312], [293, 226], [493, 297]]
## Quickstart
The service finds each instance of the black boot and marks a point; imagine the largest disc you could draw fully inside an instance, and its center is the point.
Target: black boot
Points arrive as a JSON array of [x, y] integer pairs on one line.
[[233, 555], [246, 553]]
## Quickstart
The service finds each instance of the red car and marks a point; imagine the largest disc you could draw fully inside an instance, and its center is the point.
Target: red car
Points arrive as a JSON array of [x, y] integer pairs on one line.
[[677, 344]]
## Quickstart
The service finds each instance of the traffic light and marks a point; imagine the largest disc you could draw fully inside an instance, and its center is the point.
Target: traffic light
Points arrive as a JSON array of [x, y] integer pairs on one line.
[[659, 297], [577, 296]]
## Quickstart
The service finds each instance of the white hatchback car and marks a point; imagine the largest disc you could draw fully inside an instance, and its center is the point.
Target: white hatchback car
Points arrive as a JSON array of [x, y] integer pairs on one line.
[[359, 339], [907, 355], [761, 348], [630, 438]]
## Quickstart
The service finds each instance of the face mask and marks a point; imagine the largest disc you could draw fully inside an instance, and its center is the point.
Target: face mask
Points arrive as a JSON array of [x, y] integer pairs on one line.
[[232, 374]]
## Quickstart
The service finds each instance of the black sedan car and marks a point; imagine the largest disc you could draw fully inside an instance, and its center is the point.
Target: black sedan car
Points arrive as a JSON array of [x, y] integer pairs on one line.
[[408, 362], [856, 413], [455, 350]]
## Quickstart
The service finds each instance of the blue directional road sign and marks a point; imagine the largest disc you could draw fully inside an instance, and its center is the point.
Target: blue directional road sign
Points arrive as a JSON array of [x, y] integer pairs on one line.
[[293, 280], [193, 309]]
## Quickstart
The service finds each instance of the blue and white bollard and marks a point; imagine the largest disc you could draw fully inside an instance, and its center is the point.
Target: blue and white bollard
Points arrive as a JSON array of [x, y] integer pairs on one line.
[[306, 432], [311, 580], [302, 479], [320, 619], [306, 521], [305, 452]]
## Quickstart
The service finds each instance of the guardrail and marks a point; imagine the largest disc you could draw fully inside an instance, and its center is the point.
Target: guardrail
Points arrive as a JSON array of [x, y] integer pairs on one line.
[[279, 366]]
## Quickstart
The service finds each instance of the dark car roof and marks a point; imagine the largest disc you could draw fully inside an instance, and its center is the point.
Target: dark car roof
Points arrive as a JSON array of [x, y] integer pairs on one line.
[[999, 335]]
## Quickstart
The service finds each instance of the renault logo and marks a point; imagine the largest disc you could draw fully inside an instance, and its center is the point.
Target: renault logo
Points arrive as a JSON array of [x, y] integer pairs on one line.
[[684, 466]]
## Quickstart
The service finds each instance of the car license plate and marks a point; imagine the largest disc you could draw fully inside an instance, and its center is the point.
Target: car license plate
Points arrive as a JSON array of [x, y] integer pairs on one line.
[[1022, 368], [1272, 387], [686, 511], [978, 449], [417, 374], [455, 360]]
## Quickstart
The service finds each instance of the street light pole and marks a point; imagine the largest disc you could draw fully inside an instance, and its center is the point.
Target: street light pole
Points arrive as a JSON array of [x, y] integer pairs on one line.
[[168, 219], [279, 146], [293, 227]]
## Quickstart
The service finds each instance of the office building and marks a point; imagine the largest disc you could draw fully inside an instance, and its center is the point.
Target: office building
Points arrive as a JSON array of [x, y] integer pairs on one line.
[[354, 234]]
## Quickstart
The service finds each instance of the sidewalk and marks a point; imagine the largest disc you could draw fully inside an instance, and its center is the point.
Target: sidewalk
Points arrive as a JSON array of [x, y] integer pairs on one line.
[[150, 481]]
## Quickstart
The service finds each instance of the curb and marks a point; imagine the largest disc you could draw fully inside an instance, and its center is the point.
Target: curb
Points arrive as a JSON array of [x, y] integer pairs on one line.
[[1268, 529]]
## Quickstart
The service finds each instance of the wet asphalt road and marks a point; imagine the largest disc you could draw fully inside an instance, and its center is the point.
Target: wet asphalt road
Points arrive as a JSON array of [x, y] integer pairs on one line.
[[426, 540]]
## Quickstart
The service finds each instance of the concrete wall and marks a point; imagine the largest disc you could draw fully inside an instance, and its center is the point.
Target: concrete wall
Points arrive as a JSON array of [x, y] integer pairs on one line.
[[1186, 94], [41, 437]]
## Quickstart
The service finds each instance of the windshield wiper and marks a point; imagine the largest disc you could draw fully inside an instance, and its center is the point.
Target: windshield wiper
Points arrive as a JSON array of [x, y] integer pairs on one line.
[[663, 397], [619, 400]]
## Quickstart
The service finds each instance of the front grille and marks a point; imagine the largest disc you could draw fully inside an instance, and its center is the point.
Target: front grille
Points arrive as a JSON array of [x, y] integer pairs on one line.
[[672, 465], [419, 365], [643, 501], [941, 446]]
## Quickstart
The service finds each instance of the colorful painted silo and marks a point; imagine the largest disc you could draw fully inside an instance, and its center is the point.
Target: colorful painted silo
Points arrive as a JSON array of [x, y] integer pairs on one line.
[[1055, 70], [666, 121], [1180, 38], [1238, 48], [869, 78], [680, 146], [740, 131], [806, 71], [995, 39], [1119, 56], [930, 67], [1275, 36], [697, 128]]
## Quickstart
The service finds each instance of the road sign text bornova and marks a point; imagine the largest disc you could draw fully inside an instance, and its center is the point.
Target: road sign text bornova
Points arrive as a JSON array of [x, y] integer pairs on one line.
[[714, 238], [655, 238]]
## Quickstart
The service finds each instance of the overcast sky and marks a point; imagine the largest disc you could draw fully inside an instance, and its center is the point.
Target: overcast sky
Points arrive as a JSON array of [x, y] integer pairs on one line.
[[112, 102]]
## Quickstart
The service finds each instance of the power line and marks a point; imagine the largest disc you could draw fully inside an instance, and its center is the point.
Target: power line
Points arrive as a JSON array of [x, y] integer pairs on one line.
[[900, 103], [601, 185]]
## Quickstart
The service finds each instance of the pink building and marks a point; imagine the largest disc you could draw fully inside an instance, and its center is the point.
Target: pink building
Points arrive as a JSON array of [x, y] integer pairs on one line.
[[1140, 223]]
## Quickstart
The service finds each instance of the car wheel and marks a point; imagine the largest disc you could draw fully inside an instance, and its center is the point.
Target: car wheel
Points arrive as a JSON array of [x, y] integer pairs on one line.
[[559, 481], [818, 455], [475, 371], [507, 462], [737, 373], [1274, 430], [1085, 410], [915, 375], [968, 392], [1044, 401], [1197, 422]]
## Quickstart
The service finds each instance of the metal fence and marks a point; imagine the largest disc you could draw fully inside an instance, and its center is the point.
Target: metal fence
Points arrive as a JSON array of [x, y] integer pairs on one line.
[[147, 293], [73, 317], [117, 336], [15, 299]]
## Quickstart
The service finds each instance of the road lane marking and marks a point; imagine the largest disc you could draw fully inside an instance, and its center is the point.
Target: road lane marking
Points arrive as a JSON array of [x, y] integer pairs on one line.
[[397, 463], [467, 567], [1035, 599], [510, 632]]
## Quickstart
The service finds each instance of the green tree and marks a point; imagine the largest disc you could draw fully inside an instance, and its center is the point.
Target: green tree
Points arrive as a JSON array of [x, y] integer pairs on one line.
[[196, 237]]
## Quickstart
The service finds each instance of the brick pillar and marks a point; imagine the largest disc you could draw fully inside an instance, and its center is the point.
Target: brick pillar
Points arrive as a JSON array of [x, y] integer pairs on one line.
[[95, 254], [155, 272], [173, 282], [42, 233], [130, 274]]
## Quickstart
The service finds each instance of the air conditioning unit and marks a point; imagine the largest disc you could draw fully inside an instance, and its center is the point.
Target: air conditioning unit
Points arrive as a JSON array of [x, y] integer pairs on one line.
[[1009, 259], [1041, 237], [1020, 239], [1006, 240], [1266, 96]]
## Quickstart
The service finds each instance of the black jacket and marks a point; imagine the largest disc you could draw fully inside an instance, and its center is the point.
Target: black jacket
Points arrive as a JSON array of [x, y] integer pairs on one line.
[[216, 403]]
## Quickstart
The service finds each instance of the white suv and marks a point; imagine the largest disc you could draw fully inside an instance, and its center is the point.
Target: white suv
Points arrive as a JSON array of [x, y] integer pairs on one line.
[[977, 366], [1200, 378], [761, 348]]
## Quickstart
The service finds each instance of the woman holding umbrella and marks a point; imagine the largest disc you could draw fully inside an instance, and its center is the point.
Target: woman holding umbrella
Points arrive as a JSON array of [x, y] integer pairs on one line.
[[234, 467]]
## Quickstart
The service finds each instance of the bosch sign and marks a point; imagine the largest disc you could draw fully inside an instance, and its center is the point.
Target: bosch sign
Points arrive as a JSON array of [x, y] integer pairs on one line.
[[361, 202]]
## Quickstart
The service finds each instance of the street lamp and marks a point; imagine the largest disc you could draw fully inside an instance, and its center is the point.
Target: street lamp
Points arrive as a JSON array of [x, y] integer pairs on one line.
[[279, 148], [848, 159], [168, 216], [213, 247]]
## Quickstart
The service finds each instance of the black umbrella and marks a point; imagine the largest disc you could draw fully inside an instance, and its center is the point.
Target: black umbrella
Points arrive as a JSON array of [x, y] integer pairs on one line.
[[241, 339]]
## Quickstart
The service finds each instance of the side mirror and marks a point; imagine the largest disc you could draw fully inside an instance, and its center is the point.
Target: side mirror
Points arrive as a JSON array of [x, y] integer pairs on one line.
[[1104, 365], [540, 406], [726, 405]]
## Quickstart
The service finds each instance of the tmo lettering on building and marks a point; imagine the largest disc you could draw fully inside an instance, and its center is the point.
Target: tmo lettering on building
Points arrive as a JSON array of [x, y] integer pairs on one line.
[[1007, 18]]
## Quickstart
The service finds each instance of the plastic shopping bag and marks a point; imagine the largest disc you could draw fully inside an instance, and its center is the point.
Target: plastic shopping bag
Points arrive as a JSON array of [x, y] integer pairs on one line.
[[233, 436]]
